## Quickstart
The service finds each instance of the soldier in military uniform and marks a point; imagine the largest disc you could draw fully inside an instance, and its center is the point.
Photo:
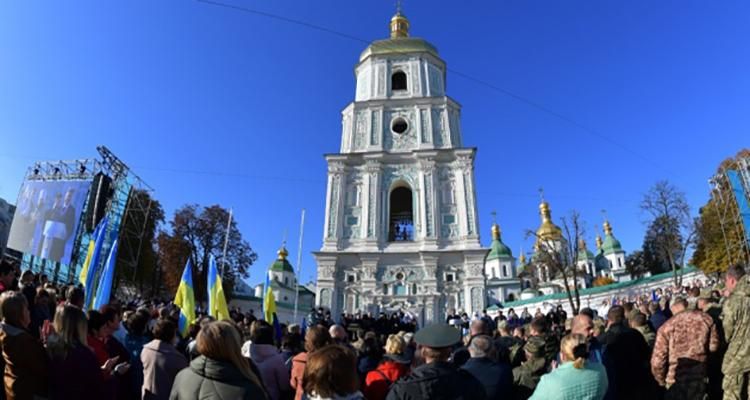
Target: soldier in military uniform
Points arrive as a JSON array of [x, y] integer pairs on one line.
[[437, 378], [527, 376], [682, 350], [709, 305], [735, 318]]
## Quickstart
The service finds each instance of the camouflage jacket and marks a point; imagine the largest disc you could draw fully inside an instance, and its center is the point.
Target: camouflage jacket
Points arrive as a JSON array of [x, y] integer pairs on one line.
[[647, 333], [735, 318], [683, 345], [527, 376]]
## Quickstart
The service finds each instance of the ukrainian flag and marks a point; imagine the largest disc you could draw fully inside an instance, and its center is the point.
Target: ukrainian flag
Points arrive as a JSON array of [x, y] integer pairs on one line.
[[89, 254], [92, 268], [269, 308], [185, 299], [217, 302]]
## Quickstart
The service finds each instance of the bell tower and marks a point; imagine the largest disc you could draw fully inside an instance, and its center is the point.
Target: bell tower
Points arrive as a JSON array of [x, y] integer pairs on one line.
[[401, 228]]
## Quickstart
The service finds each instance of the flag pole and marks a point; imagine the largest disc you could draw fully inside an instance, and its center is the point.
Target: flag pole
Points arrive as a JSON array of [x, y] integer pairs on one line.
[[299, 264], [226, 242]]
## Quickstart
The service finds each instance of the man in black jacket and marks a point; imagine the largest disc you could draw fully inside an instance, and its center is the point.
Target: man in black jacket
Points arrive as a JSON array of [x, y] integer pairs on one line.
[[496, 377], [437, 379], [626, 357]]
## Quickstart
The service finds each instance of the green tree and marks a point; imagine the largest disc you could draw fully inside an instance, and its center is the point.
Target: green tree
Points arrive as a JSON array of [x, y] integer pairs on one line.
[[671, 228], [199, 232], [635, 264]]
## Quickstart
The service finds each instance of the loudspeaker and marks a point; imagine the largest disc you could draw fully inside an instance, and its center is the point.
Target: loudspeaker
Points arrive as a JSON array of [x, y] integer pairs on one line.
[[99, 195]]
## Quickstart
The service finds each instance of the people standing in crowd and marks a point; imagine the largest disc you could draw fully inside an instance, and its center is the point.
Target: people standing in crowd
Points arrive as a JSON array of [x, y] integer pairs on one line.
[[26, 372], [496, 377], [316, 338], [7, 276], [437, 378], [331, 373], [582, 324], [540, 328], [75, 372], [266, 356], [369, 356], [220, 372], [576, 378], [395, 365], [639, 322], [526, 376], [681, 353], [735, 317], [657, 317], [626, 357], [161, 362]]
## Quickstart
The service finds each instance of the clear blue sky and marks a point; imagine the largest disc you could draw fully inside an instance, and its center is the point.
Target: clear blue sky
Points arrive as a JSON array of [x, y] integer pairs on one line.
[[185, 92]]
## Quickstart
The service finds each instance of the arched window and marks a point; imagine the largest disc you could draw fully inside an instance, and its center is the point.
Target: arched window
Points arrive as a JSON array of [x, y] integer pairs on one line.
[[398, 81], [401, 222]]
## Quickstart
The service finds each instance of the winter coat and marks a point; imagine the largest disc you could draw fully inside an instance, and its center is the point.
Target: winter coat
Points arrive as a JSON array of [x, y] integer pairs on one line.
[[273, 371], [626, 357], [569, 383], [161, 363], [26, 364], [682, 348], [379, 381], [78, 376], [298, 371], [208, 379], [496, 378], [735, 317], [437, 381], [648, 335]]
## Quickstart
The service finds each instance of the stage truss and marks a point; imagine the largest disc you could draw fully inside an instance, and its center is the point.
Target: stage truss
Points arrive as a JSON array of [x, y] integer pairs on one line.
[[730, 219]]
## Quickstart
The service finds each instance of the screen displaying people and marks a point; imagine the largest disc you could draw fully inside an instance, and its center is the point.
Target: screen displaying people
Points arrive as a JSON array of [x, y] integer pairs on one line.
[[47, 217]]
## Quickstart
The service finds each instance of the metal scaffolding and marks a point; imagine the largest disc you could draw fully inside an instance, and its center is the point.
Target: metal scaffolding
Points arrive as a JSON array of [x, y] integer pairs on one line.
[[730, 220]]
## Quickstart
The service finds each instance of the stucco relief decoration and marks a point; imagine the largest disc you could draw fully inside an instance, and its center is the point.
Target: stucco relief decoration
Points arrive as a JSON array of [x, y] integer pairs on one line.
[[360, 133], [326, 272], [405, 172], [334, 206], [436, 127], [436, 81], [375, 131], [405, 141], [325, 297], [476, 298], [425, 131], [475, 270]]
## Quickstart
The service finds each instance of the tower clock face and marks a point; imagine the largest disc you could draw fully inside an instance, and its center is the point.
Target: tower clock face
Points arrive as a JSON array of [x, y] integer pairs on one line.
[[399, 125]]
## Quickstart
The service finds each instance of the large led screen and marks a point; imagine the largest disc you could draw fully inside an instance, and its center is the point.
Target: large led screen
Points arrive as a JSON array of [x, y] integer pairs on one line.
[[47, 217]]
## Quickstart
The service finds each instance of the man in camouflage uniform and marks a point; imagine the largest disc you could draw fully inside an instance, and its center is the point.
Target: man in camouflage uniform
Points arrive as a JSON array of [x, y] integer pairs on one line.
[[709, 305], [681, 352], [735, 318], [527, 376], [639, 322]]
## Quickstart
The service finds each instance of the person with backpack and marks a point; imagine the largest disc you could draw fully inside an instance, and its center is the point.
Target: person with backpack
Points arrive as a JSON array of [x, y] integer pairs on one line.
[[394, 365]]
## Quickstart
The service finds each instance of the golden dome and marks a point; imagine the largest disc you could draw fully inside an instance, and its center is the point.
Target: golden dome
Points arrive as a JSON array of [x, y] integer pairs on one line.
[[582, 244], [548, 230], [495, 232], [607, 228], [522, 259], [399, 26], [598, 242], [282, 253]]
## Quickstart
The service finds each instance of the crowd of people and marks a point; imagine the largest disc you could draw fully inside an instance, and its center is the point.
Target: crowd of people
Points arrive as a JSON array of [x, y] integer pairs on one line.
[[684, 343]]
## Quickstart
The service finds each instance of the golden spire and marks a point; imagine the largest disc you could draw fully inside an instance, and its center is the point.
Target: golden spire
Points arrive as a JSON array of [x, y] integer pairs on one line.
[[598, 242], [522, 258], [399, 24], [607, 228], [282, 253], [495, 232]]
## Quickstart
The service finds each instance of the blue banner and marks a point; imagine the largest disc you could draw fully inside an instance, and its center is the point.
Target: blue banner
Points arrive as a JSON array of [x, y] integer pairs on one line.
[[742, 203]]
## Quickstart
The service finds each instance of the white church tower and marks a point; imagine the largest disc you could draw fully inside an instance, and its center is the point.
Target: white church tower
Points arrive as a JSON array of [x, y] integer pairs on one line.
[[401, 230]]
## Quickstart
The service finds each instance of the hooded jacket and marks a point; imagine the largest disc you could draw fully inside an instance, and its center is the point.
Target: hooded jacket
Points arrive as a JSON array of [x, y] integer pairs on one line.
[[273, 370], [161, 363], [208, 379], [735, 318]]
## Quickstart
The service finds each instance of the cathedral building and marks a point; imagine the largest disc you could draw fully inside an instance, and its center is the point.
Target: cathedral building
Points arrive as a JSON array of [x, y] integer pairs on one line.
[[401, 229]]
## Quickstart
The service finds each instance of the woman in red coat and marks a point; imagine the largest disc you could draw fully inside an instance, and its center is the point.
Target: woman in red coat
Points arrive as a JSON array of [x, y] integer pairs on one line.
[[378, 382]]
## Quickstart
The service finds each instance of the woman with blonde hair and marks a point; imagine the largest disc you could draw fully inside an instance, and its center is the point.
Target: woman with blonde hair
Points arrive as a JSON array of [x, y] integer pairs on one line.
[[575, 378], [394, 365], [74, 371], [220, 372]]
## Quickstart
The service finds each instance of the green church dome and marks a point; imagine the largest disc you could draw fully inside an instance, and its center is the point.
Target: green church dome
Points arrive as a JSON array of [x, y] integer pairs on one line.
[[498, 249], [610, 245], [282, 264]]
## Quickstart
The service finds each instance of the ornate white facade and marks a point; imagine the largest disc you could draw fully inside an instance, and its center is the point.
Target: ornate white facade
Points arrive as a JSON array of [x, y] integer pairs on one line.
[[401, 229]]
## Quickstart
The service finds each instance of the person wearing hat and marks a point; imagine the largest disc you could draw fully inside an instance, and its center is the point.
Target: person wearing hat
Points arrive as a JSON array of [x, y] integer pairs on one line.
[[528, 374], [437, 378]]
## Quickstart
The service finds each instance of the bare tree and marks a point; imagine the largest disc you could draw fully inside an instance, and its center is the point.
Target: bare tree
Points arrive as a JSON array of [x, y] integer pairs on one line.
[[558, 256], [668, 208]]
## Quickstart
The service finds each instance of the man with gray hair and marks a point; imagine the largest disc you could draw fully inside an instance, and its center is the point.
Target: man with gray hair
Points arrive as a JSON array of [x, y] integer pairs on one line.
[[496, 378]]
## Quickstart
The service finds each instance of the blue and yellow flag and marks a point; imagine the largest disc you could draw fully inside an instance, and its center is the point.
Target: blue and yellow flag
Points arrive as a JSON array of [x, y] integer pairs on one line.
[[92, 269], [269, 308], [89, 253], [217, 302], [104, 290], [185, 299]]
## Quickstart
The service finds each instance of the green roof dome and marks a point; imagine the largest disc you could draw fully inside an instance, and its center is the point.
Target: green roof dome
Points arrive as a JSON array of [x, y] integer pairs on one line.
[[610, 245], [498, 249], [282, 264], [584, 254]]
